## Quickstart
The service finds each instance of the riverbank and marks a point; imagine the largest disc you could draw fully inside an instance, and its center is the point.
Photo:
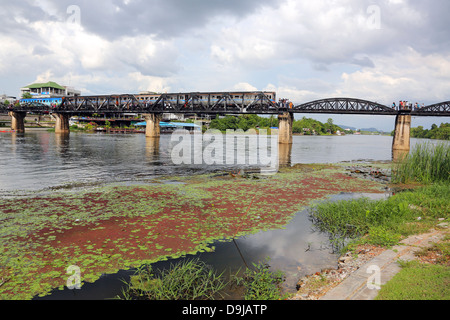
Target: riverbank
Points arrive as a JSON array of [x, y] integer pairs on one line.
[[107, 229], [412, 225], [349, 281]]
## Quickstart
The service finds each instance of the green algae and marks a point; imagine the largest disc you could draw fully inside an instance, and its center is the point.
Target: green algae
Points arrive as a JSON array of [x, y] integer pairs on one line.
[[107, 229]]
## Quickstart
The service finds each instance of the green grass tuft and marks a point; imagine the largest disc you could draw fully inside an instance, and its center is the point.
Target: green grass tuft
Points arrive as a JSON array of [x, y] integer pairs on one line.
[[427, 163]]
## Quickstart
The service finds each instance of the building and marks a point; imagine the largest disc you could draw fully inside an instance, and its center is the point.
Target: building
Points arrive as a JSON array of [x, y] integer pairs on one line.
[[4, 98], [49, 90]]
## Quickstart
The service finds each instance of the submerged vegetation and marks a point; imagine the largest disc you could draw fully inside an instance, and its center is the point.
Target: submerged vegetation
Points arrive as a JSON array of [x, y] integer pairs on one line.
[[107, 229]]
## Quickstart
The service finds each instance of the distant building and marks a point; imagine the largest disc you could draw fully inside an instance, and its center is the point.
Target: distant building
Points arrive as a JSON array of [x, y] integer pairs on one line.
[[49, 90], [4, 98]]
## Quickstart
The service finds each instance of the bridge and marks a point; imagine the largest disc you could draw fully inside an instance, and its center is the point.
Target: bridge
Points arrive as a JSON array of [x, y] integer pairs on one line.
[[220, 103], [212, 103]]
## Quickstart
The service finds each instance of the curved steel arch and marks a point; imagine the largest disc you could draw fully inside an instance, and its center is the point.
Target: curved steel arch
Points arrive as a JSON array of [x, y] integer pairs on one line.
[[344, 106], [442, 108]]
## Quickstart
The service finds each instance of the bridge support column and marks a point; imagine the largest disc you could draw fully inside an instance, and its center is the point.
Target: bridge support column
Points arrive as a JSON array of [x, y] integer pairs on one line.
[[62, 123], [286, 121], [18, 121], [153, 129], [402, 136]]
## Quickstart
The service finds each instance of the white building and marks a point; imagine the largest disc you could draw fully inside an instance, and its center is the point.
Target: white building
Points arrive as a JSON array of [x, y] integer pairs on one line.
[[4, 98], [49, 90]]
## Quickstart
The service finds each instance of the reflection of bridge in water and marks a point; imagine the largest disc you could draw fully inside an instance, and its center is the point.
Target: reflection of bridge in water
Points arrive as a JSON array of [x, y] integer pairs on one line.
[[221, 104]]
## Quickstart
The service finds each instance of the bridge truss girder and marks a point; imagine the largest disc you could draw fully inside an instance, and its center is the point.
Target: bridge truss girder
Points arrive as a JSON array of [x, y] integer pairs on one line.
[[344, 106], [225, 103], [169, 103]]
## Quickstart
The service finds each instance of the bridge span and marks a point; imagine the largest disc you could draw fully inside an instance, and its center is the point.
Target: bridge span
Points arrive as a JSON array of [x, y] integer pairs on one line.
[[153, 106]]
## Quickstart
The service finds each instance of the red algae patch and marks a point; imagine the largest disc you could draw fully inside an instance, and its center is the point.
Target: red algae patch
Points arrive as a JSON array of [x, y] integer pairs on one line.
[[116, 228]]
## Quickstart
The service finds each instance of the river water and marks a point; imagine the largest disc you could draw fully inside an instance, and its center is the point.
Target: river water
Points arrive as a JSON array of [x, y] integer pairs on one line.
[[40, 161]]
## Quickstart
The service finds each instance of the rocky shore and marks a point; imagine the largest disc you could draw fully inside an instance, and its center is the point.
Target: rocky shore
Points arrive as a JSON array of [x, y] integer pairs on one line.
[[313, 287], [316, 286]]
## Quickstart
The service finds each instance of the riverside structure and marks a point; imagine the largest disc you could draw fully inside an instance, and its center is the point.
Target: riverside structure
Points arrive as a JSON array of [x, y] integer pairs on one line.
[[221, 103]]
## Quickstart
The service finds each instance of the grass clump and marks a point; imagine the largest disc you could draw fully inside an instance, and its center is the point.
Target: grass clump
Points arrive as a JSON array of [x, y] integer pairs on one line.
[[186, 280], [260, 283], [382, 222], [427, 163]]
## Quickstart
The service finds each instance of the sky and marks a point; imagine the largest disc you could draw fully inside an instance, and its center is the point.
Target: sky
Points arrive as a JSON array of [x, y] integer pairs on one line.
[[378, 50]]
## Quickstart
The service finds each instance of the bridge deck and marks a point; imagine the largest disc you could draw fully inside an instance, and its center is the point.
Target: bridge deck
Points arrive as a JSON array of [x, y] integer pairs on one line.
[[226, 103]]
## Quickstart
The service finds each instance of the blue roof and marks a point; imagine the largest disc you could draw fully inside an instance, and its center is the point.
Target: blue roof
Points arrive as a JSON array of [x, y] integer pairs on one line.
[[170, 125]]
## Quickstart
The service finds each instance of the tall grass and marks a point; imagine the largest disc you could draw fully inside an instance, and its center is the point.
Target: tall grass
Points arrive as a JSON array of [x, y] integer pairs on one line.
[[427, 163], [382, 222], [186, 280]]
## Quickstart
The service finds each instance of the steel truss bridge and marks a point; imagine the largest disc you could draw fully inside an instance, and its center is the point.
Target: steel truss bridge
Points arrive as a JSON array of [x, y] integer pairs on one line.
[[225, 103]]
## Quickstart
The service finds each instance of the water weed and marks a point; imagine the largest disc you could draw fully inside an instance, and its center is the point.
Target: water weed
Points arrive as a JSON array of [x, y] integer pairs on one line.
[[427, 163], [260, 283], [186, 280]]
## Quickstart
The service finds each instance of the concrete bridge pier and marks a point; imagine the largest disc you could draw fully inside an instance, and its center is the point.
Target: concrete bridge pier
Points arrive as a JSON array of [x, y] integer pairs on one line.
[[62, 123], [18, 121], [153, 129], [402, 137], [286, 121]]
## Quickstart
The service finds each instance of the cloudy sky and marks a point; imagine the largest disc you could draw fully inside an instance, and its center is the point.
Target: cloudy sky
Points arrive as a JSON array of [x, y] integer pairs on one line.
[[379, 50]]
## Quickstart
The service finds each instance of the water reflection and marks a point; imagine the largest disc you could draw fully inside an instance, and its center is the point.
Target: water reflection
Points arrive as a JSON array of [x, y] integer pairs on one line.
[[41, 159], [152, 149], [62, 143], [297, 250], [285, 154]]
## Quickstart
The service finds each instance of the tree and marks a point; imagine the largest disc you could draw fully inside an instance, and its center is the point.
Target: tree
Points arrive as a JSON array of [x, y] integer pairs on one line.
[[27, 95]]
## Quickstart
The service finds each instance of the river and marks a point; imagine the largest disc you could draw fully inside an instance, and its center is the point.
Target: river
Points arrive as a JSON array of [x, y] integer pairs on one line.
[[40, 161]]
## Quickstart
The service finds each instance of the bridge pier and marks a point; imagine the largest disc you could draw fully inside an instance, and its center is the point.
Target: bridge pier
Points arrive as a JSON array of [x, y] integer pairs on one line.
[[17, 121], [285, 133], [402, 137], [62, 123], [153, 129]]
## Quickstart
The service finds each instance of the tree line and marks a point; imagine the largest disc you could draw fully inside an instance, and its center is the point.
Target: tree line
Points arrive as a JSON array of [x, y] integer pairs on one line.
[[305, 125], [440, 133]]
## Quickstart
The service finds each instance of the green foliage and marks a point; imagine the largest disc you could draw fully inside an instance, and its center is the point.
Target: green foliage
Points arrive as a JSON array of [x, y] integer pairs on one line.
[[186, 280], [244, 122], [382, 222], [426, 164], [262, 284], [304, 126], [441, 133]]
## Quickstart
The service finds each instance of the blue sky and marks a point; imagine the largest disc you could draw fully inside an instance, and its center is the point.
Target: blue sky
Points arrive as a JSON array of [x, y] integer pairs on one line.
[[384, 51]]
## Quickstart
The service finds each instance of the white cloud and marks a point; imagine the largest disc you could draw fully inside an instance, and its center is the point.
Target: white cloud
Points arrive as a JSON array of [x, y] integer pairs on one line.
[[304, 50]]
